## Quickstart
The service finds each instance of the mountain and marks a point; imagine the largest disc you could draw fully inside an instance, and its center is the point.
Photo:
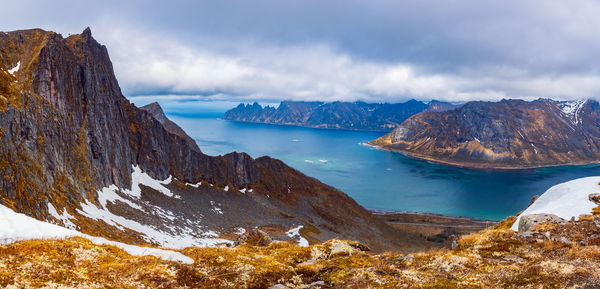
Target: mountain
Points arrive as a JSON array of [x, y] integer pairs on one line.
[[547, 251], [502, 135], [156, 111], [75, 152], [335, 115]]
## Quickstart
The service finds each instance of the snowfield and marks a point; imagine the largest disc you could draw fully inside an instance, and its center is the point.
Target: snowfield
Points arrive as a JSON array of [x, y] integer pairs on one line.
[[17, 227], [566, 200]]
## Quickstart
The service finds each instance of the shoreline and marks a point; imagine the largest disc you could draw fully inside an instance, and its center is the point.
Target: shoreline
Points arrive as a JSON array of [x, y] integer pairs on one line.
[[429, 214], [308, 126], [433, 230], [474, 166]]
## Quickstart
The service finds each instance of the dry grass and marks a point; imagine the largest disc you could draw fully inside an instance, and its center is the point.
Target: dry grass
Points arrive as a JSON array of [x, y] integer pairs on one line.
[[563, 256]]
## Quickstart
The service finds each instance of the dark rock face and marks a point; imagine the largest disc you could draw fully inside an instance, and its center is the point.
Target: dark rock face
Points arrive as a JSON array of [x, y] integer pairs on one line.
[[335, 115], [66, 131], [506, 134], [156, 111]]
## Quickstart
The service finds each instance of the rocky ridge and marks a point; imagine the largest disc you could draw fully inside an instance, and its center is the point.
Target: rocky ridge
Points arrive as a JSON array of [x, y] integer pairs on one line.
[[509, 134], [335, 115]]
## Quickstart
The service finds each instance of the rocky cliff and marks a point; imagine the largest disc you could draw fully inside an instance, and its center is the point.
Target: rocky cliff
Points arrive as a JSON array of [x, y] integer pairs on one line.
[[74, 151], [335, 115], [504, 135]]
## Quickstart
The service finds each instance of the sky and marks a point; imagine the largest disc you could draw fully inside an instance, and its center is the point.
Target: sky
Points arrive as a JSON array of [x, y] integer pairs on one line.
[[329, 50]]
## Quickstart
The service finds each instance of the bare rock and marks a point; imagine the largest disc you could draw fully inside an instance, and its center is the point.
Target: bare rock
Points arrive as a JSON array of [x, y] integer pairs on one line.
[[594, 197], [254, 237], [528, 221]]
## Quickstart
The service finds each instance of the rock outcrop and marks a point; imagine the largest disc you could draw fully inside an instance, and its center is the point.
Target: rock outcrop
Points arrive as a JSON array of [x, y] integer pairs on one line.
[[335, 115], [502, 135]]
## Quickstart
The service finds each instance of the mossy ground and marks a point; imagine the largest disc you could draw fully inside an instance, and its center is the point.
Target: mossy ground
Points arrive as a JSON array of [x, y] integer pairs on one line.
[[493, 258]]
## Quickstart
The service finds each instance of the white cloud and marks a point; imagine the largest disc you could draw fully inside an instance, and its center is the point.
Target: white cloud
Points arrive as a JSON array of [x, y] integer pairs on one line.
[[148, 63]]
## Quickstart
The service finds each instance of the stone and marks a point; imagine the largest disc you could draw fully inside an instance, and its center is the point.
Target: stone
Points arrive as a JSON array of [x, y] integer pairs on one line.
[[528, 221], [279, 286], [254, 237], [594, 197], [513, 258]]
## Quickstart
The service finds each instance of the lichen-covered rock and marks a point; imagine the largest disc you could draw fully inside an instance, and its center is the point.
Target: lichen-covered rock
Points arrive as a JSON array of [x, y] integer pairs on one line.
[[527, 222]]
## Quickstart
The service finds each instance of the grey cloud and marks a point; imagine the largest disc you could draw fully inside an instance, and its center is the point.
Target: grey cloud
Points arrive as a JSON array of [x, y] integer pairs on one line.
[[306, 49]]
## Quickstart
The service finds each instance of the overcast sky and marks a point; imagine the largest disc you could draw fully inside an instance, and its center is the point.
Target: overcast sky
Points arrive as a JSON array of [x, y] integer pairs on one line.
[[374, 50]]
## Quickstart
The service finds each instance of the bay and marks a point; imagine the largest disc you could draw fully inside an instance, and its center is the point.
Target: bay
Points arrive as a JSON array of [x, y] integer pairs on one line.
[[377, 179]]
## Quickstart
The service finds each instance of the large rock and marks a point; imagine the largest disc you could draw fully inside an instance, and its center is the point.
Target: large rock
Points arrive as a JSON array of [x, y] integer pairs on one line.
[[528, 221]]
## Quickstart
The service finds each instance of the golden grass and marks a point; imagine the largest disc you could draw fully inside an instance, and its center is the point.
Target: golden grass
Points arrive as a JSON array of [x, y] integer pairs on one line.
[[493, 258]]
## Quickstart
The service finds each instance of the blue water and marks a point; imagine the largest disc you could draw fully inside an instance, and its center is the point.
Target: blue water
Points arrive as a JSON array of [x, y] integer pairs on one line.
[[379, 179]]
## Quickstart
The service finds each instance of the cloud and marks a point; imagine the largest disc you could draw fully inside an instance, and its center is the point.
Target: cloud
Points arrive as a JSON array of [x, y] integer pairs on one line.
[[376, 50]]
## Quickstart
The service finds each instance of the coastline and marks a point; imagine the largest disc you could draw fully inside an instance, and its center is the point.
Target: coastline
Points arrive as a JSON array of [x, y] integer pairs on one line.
[[309, 126], [475, 166], [434, 230]]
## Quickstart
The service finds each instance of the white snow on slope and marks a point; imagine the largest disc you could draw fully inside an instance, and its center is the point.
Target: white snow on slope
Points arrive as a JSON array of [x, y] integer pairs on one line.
[[190, 236], [295, 233], [566, 200], [140, 178], [194, 185], [65, 217], [16, 227], [15, 69], [572, 108]]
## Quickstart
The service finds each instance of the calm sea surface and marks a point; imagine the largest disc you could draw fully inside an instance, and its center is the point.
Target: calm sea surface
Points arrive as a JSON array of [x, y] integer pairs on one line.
[[378, 179]]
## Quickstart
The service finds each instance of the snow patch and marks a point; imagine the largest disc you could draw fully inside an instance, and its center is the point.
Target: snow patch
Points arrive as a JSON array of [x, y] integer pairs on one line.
[[15, 69], [226, 188], [65, 217], [566, 200], [140, 178], [194, 185], [571, 109], [17, 227], [295, 233]]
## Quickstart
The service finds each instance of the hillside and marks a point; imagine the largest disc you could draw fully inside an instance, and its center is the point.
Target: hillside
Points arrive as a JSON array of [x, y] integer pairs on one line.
[[75, 152], [502, 135], [335, 115], [551, 253]]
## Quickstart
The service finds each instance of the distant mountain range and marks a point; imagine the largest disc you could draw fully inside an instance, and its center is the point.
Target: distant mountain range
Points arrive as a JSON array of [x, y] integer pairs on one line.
[[502, 135], [335, 115]]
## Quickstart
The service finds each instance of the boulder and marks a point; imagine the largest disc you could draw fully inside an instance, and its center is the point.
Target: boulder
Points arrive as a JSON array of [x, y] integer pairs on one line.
[[528, 221], [594, 197], [254, 237], [344, 248]]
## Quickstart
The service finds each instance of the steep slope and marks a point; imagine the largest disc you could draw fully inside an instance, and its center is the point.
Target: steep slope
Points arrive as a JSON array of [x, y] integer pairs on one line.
[[335, 115], [75, 152], [156, 111], [503, 135]]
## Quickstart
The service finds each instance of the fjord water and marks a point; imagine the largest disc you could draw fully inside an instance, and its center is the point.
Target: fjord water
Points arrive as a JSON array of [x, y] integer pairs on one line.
[[376, 179]]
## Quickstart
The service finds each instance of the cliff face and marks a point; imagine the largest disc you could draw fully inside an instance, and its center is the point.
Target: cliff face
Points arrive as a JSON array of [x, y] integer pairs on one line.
[[74, 151], [506, 134], [335, 115]]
